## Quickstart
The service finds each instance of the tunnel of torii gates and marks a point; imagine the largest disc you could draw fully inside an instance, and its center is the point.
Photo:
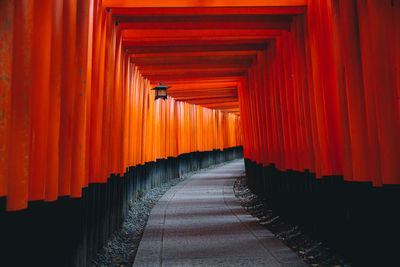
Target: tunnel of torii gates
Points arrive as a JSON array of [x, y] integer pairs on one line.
[[308, 89]]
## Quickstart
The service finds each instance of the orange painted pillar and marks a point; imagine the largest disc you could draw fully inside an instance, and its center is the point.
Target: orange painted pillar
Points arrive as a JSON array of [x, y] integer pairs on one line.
[[324, 86], [88, 87], [39, 111], [108, 94], [20, 122], [6, 59], [78, 164], [67, 96], [381, 96], [53, 135], [96, 118]]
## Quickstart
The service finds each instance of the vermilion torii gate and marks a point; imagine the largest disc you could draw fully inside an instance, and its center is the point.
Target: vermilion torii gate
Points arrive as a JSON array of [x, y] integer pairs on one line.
[[310, 89]]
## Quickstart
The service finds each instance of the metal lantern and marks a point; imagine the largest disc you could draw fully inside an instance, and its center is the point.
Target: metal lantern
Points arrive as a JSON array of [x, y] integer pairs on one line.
[[161, 91]]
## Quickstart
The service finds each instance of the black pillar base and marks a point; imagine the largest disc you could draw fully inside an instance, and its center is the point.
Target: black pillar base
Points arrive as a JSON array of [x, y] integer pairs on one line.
[[70, 231], [358, 220]]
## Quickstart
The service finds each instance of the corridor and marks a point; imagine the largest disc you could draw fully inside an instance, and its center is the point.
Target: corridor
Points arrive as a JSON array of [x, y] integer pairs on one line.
[[306, 93], [199, 222]]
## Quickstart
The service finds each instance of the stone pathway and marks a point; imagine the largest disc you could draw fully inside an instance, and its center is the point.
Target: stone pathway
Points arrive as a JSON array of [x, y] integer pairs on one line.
[[199, 222]]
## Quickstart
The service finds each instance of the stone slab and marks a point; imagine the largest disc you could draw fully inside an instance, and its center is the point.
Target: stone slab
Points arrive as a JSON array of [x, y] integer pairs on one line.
[[199, 222]]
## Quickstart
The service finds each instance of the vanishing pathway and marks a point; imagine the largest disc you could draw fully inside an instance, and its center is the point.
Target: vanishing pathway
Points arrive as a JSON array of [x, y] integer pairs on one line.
[[199, 222]]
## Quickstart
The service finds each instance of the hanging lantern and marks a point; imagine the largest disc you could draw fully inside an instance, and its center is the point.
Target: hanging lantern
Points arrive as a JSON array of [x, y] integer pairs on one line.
[[161, 91]]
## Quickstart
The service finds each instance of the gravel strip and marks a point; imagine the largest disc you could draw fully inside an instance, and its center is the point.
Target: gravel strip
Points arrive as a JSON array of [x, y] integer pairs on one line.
[[121, 249], [311, 251]]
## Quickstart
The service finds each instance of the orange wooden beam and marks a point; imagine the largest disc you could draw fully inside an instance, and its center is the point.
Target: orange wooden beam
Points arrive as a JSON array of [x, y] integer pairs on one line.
[[201, 80], [204, 95], [183, 72], [201, 86], [209, 100], [226, 104], [196, 3], [170, 33], [193, 60], [204, 92], [209, 25], [197, 48], [195, 76], [184, 68], [271, 22], [260, 10], [172, 42], [195, 54], [134, 41]]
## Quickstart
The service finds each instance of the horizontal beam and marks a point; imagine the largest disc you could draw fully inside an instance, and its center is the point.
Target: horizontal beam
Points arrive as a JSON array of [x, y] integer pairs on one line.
[[204, 94], [215, 100], [196, 48], [210, 100], [199, 80], [134, 41], [260, 10], [205, 85], [194, 67], [172, 42], [227, 104], [196, 54], [167, 60], [195, 76], [199, 19], [189, 92], [170, 33], [179, 71], [226, 109], [197, 3], [232, 109], [205, 100], [208, 25]]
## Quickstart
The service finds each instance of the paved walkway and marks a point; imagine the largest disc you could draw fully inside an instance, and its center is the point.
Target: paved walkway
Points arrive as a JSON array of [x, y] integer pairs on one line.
[[199, 222]]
